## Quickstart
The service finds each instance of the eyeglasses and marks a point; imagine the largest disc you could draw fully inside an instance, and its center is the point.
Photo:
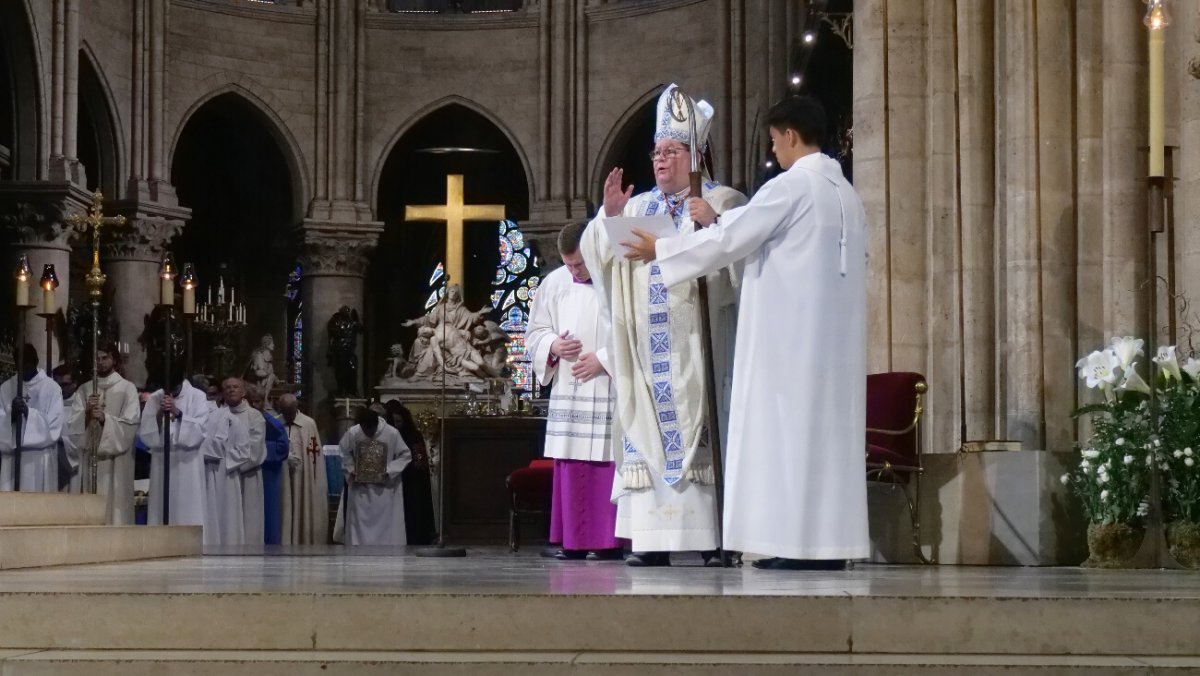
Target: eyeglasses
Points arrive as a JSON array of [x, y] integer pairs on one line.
[[668, 154]]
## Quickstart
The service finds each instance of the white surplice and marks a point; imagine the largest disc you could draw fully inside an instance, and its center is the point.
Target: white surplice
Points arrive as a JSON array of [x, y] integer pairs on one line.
[[247, 460], [664, 492], [374, 513], [187, 462], [39, 441], [305, 488], [795, 484], [113, 441], [580, 414]]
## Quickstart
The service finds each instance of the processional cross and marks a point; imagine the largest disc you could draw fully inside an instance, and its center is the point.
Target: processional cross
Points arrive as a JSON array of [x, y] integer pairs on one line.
[[454, 213], [94, 280]]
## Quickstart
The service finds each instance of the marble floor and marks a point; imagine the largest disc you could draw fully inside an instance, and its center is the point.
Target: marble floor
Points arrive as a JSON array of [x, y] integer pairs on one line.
[[336, 570]]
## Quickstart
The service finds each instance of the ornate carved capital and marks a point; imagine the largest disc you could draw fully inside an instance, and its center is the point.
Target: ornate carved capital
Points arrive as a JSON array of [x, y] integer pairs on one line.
[[332, 249], [149, 228], [33, 213]]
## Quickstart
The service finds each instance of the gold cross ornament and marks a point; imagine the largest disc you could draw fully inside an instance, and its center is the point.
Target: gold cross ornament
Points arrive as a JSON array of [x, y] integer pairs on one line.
[[454, 213], [94, 220]]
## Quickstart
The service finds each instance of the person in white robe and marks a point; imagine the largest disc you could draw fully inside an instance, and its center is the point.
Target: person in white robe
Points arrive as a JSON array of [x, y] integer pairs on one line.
[[42, 417], [187, 409], [104, 416], [564, 341], [374, 506], [69, 478], [239, 482], [305, 487], [795, 487], [666, 500]]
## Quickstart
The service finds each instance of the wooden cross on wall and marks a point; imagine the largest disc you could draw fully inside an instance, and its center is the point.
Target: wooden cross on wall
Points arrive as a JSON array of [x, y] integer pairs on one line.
[[454, 214]]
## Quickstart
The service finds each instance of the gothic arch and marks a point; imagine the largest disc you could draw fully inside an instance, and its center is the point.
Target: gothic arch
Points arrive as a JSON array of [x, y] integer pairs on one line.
[[278, 129], [19, 43], [426, 111], [96, 99], [618, 137]]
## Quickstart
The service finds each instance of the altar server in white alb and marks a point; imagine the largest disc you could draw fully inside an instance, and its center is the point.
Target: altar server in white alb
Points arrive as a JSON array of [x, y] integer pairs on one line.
[[563, 337], [666, 499], [235, 450], [187, 409], [373, 456], [795, 485], [105, 418], [41, 411]]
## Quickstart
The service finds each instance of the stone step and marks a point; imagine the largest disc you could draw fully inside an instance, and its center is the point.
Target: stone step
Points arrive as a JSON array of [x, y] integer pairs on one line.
[[363, 616], [320, 663], [51, 509], [36, 546]]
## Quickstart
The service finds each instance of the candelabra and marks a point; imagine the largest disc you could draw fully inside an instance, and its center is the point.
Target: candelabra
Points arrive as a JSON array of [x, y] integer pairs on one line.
[[222, 323]]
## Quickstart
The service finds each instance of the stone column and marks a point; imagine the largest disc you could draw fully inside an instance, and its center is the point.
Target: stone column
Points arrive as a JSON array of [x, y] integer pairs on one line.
[[64, 93], [334, 261], [130, 257]]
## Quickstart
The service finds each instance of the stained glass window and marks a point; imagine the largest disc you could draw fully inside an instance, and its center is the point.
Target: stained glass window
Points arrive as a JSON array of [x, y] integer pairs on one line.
[[295, 354], [515, 284]]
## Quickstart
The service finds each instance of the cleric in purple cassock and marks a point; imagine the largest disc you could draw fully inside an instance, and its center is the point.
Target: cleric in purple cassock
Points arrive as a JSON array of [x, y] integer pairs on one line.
[[272, 468], [563, 337]]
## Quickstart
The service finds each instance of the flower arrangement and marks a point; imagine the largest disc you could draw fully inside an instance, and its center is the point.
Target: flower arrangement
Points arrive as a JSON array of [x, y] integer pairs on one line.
[[1112, 478], [1129, 439]]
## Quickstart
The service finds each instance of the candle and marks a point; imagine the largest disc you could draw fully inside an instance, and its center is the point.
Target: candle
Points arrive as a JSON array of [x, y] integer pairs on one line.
[[1156, 20], [230, 294], [23, 274], [189, 289], [1157, 161], [49, 283], [167, 278], [209, 296]]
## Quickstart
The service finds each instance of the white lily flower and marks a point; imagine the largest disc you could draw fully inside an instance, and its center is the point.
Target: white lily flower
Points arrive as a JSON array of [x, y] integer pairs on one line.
[[1149, 460], [1128, 460], [1127, 348], [1120, 441], [1103, 478], [1099, 368], [1143, 508], [1189, 462], [1084, 464], [1104, 495], [1065, 479], [1167, 361], [1192, 368], [1134, 383], [1157, 443], [1178, 453], [1090, 453], [1188, 451]]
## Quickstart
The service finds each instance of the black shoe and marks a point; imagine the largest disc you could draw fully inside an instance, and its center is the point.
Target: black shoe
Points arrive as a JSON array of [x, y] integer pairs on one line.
[[550, 552], [606, 555], [571, 554], [648, 559], [779, 563], [732, 559]]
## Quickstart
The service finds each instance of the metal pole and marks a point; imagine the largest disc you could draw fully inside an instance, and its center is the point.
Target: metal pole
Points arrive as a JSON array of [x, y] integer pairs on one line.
[[18, 421], [166, 433], [49, 340], [94, 438]]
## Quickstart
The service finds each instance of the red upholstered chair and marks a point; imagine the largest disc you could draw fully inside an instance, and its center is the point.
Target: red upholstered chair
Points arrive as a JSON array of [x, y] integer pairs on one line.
[[532, 488], [894, 407]]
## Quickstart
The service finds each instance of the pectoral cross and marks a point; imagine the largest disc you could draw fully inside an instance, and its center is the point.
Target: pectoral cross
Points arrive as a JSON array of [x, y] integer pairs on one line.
[[314, 451], [454, 213], [94, 220]]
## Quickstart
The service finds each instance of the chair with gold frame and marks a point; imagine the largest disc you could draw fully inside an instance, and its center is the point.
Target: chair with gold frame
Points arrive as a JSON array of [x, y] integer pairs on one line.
[[895, 402]]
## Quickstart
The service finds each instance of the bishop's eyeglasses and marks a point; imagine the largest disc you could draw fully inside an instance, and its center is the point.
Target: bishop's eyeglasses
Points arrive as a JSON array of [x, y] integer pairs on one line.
[[668, 154]]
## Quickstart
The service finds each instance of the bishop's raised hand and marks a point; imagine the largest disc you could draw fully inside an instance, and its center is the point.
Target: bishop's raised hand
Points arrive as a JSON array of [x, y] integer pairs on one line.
[[615, 198]]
